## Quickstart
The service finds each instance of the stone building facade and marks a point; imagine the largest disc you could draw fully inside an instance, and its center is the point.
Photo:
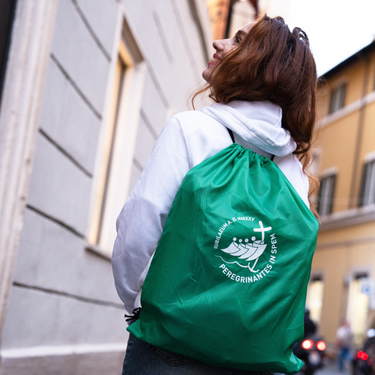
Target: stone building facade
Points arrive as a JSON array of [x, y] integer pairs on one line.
[[89, 85]]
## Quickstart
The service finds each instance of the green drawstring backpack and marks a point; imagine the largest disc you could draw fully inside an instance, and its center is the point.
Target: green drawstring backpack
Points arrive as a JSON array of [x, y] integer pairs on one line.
[[227, 284]]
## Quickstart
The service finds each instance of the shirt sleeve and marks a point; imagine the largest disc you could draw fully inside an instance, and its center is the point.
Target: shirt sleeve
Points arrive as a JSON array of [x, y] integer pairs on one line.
[[141, 221]]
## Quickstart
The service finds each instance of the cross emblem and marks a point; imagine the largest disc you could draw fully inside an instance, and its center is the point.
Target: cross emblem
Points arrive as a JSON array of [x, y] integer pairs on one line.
[[262, 229]]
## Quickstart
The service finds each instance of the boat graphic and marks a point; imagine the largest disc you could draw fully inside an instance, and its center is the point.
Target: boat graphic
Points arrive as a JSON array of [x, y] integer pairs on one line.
[[248, 251]]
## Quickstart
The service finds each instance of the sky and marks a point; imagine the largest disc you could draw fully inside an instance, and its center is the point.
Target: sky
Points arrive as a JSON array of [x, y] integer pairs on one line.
[[336, 28]]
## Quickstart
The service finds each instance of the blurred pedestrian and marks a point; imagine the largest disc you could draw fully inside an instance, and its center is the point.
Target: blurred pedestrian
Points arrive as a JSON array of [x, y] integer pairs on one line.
[[344, 338], [310, 326], [263, 81]]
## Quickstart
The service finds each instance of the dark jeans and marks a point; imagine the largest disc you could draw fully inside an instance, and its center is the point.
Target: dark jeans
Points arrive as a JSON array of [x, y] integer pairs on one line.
[[344, 355], [145, 359]]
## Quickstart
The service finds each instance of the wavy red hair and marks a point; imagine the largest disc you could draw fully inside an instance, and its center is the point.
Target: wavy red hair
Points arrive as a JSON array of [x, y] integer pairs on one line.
[[272, 63]]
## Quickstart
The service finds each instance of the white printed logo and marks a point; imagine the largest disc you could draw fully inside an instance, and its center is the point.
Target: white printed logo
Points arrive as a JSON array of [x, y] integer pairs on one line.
[[246, 251]]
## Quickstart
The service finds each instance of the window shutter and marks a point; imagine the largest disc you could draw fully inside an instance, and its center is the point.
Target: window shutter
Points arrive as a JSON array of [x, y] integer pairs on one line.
[[319, 196], [342, 96], [361, 197], [332, 193]]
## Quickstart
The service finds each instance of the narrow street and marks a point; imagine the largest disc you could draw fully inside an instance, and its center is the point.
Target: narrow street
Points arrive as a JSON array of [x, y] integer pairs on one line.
[[331, 369]]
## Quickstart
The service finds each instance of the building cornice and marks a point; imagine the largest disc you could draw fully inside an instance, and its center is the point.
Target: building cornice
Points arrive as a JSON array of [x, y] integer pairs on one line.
[[347, 110], [358, 55], [353, 242], [348, 218]]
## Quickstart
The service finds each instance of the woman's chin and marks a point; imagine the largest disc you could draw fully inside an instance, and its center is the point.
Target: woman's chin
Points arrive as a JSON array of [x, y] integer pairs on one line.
[[206, 74]]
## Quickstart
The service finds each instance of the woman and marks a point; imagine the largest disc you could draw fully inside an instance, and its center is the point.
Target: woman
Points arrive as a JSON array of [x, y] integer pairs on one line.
[[263, 81]]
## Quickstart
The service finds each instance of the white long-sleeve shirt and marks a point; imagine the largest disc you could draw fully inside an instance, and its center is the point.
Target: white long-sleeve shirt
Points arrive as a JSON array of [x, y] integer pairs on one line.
[[188, 139]]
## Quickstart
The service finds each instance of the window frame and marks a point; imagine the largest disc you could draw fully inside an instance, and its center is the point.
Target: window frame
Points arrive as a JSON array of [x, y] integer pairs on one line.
[[117, 143], [338, 96], [315, 311], [367, 189], [329, 196], [356, 299]]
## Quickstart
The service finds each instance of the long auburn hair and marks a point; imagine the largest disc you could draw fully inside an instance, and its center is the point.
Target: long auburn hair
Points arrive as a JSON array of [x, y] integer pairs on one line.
[[272, 63]]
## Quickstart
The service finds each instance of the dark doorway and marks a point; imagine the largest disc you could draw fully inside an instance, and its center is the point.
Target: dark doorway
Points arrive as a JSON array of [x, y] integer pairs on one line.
[[7, 10]]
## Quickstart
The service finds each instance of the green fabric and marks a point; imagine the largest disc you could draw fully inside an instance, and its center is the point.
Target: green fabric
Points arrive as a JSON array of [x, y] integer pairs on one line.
[[209, 296]]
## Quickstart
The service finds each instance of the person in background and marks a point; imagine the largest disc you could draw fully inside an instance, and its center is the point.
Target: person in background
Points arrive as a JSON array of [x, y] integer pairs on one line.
[[310, 326], [344, 338]]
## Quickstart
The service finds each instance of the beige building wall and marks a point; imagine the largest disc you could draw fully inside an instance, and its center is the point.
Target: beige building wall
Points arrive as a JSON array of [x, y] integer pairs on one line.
[[345, 254], [275, 8]]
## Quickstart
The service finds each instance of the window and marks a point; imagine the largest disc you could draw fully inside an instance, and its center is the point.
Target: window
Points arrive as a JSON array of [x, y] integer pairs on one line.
[[326, 194], [101, 203], [337, 98], [358, 304], [117, 142], [314, 299], [367, 192]]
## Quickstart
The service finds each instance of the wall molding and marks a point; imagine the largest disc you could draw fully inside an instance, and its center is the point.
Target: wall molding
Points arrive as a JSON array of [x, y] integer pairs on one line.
[[22, 96], [348, 218], [42, 351], [348, 109], [103, 358]]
